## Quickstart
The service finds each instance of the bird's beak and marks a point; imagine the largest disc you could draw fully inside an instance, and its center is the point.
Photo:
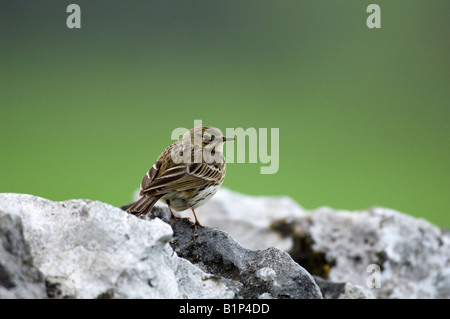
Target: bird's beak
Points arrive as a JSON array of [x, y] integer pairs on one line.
[[228, 138]]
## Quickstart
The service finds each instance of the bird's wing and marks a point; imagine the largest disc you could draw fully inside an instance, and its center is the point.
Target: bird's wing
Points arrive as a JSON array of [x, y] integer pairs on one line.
[[149, 177], [182, 177], [205, 171]]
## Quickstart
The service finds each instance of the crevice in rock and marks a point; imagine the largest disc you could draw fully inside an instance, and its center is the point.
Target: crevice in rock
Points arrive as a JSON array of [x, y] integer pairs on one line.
[[302, 251]]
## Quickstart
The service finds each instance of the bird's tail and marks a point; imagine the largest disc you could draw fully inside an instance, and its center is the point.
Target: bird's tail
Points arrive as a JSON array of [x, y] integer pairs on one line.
[[143, 206]]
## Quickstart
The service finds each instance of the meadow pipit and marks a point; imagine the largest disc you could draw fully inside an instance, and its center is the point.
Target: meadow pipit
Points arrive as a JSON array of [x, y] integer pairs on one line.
[[186, 175]]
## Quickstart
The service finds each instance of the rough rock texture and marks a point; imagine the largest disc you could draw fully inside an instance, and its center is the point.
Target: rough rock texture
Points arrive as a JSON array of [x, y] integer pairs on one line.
[[270, 273], [88, 249], [342, 290], [18, 277], [413, 255]]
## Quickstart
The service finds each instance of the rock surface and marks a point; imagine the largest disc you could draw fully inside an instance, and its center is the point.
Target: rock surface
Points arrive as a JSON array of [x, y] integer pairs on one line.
[[18, 277], [88, 249], [342, 290], [270, 273], [413, 255]]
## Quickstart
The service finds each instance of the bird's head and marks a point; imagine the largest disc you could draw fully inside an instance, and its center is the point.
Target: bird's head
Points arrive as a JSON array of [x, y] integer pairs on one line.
[[208, 136]]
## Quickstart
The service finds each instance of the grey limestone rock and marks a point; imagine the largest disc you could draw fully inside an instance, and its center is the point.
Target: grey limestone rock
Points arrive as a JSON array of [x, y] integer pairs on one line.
[[88, 249], [266, 247], [342, 290], [268, 273], [18, 277], [410, 255]]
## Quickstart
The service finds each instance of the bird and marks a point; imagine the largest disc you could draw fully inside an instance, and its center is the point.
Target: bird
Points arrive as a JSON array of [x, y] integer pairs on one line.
[[186, 175]]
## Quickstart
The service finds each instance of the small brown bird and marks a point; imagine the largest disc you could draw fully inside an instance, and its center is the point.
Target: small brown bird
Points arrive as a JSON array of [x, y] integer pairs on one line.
[[186, 175]]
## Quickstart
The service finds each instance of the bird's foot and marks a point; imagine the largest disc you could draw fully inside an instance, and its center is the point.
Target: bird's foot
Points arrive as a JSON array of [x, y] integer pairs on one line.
[[195, 225], [174, 218]]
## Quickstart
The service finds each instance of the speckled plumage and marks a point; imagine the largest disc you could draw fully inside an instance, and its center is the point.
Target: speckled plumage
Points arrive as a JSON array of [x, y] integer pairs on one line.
[[182, 181]]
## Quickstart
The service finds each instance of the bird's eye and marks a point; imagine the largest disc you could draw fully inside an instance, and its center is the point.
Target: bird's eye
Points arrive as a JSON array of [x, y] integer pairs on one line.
[[213, 137]]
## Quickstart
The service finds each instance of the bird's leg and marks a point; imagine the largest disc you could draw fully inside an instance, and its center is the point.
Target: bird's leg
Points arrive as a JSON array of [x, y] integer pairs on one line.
[[172, 216], [197, 223]]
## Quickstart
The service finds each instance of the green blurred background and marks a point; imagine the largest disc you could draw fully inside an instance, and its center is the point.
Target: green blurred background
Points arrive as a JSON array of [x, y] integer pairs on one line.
[[363, 113]]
